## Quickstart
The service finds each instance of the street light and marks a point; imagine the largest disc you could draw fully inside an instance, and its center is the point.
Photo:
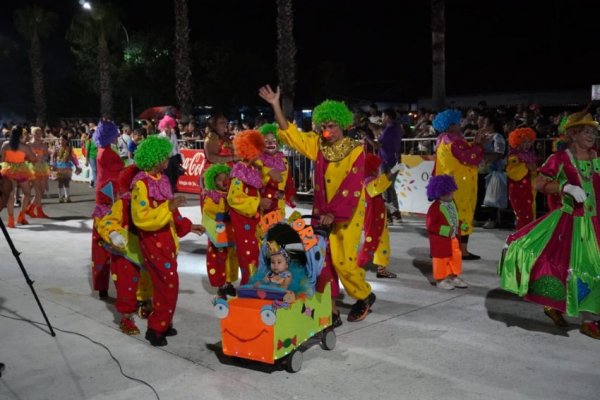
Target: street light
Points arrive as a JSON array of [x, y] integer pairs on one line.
[[86, 5]]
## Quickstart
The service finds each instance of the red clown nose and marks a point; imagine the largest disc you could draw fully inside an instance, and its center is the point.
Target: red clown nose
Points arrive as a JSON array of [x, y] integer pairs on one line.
[[326, 134]]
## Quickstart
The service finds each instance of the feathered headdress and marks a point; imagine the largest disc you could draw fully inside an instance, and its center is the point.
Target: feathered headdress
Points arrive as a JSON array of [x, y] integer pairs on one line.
[[249, 144], [210, 175], [519, 136], [440, 185], [333, 111], [445, 119], [152, 151], [105, 134]]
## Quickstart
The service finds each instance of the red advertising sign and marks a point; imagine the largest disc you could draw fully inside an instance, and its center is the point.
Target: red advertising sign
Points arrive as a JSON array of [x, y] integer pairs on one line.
[[193, 163]]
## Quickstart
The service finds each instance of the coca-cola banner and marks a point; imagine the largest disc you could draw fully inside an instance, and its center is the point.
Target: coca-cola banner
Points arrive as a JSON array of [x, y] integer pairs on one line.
[[193, 163]]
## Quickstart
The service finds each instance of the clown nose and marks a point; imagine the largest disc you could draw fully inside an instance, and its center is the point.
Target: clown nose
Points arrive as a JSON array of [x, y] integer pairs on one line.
[[326, 134]]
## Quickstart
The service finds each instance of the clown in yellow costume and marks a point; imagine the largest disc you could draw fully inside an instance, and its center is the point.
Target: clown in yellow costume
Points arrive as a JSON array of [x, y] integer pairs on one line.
[[339, 199], [460, 159]]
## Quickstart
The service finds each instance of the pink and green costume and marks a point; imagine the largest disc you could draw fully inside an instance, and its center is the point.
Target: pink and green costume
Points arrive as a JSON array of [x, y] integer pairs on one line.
[[555, 261]]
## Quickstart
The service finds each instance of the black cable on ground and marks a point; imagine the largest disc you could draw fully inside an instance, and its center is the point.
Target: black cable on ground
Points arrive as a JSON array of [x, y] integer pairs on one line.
[[96, 343]]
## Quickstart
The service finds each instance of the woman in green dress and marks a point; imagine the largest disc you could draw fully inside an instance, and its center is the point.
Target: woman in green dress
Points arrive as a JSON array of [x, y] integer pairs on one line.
[[555, 260]]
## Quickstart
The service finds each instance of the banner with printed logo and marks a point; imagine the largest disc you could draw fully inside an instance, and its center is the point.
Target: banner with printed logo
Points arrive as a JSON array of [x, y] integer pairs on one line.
[[193, 163]]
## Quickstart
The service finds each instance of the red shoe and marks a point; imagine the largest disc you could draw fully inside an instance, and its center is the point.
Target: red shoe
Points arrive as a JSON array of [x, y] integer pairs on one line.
[[11, 221], [30, 210], [129, 327], [40, 213], [21, 219], [590, 329]]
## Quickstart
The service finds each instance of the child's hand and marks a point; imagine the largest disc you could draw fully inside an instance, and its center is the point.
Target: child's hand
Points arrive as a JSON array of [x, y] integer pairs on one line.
[[199, 229], [264, 203], [275, 175], [176, 202], [117, 239], [396, 168]]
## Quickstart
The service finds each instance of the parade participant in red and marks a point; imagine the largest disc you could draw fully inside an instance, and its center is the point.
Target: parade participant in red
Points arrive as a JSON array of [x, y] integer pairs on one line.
[[521, 172], [109, 165], [278, 184], [221, 261], [376, 245], [155, 213], [121, 240], [444, 229], [244, 200]]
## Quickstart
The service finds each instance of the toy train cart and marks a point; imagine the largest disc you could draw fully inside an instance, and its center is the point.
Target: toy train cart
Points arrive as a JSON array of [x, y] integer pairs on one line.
[[267, 323]]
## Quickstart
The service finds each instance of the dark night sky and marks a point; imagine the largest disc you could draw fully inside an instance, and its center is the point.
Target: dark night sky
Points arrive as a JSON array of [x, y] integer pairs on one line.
[[381, 48]]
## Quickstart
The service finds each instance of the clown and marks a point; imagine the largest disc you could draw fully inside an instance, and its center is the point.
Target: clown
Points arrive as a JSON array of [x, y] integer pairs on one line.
[[221, 261], [133, 284], [244, 199], [278, 184], [155, 213], [109, 165], [339, 200], [521, 172], [444, 228], [376, 246], [458, 158]]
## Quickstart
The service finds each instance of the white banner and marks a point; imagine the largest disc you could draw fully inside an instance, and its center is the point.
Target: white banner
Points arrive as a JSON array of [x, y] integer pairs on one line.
[[411, 183]]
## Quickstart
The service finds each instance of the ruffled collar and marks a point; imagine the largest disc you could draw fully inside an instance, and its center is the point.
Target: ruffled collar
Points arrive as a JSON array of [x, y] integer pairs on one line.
[[337, 151], [215, 195], [247, 174], [526, 156], [159, 187], [274, 161]]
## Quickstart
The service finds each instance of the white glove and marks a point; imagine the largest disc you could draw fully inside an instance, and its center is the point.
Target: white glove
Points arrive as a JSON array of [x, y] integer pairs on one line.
[[398, 167], [576, 192], [391, 208], [117, 239]]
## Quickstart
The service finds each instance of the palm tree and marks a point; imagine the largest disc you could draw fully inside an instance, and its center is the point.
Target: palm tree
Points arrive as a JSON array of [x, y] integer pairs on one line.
[[438, 49], [286, 55], [91, 32], [183, 71], [35, 23]]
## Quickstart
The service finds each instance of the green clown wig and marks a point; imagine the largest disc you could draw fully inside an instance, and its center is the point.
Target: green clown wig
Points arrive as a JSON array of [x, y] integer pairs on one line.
[[333, 111], [152, 151], [272, 129], [210, 175]]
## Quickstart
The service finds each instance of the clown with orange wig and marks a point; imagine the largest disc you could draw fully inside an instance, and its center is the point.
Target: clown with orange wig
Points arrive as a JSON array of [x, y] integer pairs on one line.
[[376, 246], [278, 184], [244, 199], [521, 172]]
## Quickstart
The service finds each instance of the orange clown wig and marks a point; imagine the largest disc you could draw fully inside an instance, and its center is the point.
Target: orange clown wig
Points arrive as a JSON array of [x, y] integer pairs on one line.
[[248, 145], [519, 136]]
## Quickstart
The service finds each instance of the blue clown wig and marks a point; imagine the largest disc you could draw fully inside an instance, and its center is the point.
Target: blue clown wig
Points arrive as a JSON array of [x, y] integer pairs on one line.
[[105, 134], [445, 119], [440, 185]]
